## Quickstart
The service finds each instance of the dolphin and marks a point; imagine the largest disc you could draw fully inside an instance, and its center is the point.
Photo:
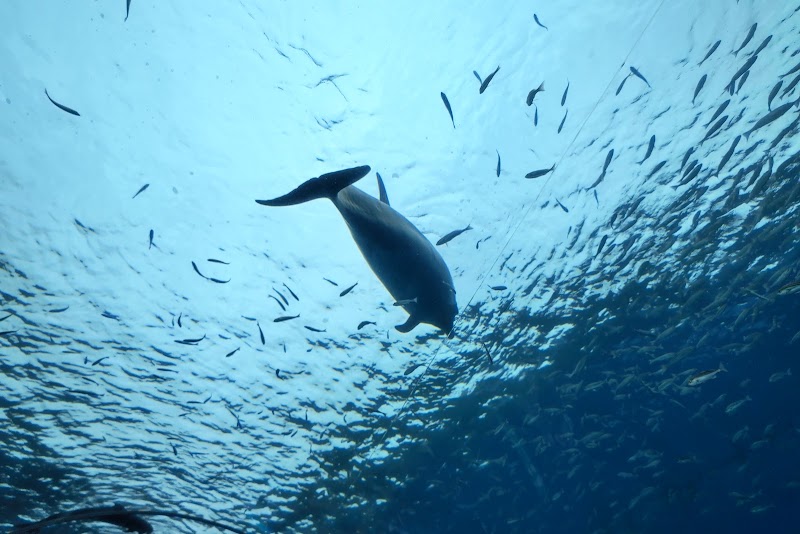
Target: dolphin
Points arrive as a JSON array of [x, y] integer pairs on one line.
[[405, 262]]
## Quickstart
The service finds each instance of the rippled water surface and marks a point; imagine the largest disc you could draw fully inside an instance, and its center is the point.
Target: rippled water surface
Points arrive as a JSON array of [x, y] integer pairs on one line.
[[140, 359]]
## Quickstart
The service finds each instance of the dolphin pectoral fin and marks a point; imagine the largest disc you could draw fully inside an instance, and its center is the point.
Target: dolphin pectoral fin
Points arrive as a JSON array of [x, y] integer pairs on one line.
[[326, 186], [382, 190], [408, 326]]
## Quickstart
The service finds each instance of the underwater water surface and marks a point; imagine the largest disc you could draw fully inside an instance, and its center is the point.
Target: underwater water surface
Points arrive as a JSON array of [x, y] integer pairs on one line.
[[624, 357]]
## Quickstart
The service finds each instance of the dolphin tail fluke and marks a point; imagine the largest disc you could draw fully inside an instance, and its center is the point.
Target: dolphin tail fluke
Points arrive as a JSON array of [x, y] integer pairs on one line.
[[326, 186], [408, 326]]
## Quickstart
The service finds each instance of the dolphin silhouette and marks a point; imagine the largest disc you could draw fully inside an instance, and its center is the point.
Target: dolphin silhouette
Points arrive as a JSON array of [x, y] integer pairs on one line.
[[401, 257]]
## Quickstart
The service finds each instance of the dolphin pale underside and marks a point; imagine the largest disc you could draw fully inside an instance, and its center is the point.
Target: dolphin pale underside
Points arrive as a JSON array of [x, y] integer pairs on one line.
[[403, 259]]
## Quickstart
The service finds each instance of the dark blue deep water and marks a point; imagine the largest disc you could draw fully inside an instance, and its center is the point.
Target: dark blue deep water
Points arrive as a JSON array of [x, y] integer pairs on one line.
[[625, 354]]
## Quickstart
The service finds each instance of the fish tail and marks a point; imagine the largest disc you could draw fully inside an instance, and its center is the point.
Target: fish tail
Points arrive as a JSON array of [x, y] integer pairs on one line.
[[326, 186], [722, 367]]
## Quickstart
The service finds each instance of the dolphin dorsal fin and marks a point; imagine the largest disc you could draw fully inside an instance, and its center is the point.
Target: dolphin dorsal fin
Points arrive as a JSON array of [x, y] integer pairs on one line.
[[382, 189]]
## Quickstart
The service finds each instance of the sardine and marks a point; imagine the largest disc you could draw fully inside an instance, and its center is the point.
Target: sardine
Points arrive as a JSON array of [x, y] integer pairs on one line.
[[498, 162], [700, 85], [562, 121], [452, 235], [151, 240], [638, 74], [564, 96], [773, 94], [747, 39], [704, 376], [728, 154], [533, 92], [772, 116], [536, 18], [449, 109], [717, 113], [261, 334], [362, 324], [348, 290], [141, 190], [539, 173], [622, 84], [291, 292], [650, 147], [711, 51], [562, 206], [285, 318], [488, 79], [60, 106]]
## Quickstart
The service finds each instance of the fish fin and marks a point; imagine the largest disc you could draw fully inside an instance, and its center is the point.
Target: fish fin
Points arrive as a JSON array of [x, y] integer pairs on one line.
[[326, 186], [408, 326], [382, 189], [722, 367]]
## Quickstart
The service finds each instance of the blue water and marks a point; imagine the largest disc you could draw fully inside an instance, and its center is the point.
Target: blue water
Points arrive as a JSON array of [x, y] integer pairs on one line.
[[582, 420]]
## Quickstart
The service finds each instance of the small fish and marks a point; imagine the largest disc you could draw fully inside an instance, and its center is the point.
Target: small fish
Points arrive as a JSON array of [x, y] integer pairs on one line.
[[412, 369], [700, 85], [564, 96], [331, 282], [179, 320], [127, 8], [477, 76], [772, 116], [362, 324], [791, 86], [717, 113], [602, 244], [452, 235], [151, 240], [536, 18], [291, 292], [488, 354], [284, 299], [541, 172], [734, 406], [533, 92], [285, 318], [791, 71], [348, 290], [773, 94], [174, 449], [7, 333], [609, 157], [638, 74], [59, 310], [741, 81], [488, 79], [382, 190], [704, 376], [562, 206], [536, 116], [595, 196], [498, 162], [190, 341], [560, 126], [218, 281], [405, 302], [792, 288], [747, 39], [141, 190], [318, 330], [744, 68], [61, 107], [278, 301], [687, 156], [714, 129], [622, 84], [728, 154], [763, 44], [231, 353], [99, 360], [278, 374], [198, 271], [261, 334], [657, 168], [498, 288], [449, 109], [711, 51], [6, 317], [650, 147], [212, 260]]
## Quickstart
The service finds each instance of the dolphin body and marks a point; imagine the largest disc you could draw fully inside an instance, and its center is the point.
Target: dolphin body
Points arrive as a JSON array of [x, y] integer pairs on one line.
[[401, 257]]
